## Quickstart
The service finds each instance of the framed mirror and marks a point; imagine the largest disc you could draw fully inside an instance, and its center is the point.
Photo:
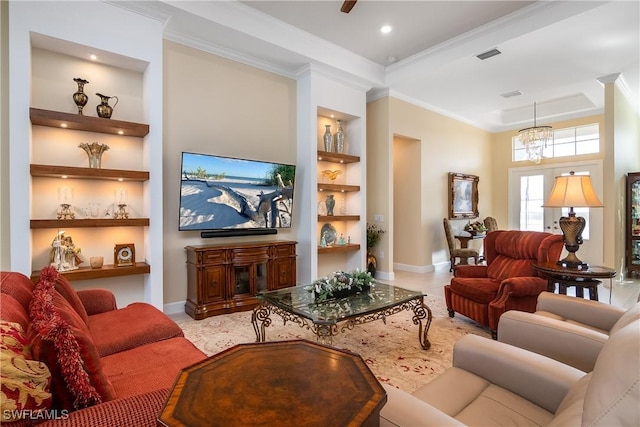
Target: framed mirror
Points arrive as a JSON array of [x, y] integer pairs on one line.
[[463, 196]]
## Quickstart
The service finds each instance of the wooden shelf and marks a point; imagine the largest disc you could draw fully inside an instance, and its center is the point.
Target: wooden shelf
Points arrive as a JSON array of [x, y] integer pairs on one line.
[[338, 188], [339, 248], [85, 223], [329, 218], [325, 156], [84, 273], [57, 119], [51, 171]]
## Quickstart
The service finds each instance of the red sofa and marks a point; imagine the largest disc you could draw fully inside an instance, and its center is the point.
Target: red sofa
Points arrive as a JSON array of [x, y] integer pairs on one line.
[[106, 366], [508, 281]]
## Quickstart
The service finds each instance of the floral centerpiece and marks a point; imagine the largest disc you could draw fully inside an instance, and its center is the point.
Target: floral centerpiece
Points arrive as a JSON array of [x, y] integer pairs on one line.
[[475, 228], [340, 283]]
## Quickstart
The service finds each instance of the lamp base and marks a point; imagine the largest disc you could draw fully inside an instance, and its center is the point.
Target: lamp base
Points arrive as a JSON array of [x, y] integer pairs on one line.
[[573, 264], [572, 227]]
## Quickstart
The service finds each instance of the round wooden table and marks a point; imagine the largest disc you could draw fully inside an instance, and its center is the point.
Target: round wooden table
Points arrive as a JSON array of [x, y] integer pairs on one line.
[[585, 278]]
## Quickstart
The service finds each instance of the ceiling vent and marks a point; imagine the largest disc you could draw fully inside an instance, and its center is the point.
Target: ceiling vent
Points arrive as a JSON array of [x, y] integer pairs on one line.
[[488, 54], [511, 94]]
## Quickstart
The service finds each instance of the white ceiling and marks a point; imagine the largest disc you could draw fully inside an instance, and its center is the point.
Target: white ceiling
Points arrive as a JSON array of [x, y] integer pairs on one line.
[[553, 52]]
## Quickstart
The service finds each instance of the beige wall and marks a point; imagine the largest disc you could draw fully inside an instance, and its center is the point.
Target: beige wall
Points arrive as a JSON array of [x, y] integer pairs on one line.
[[445, 145], [216, 106]]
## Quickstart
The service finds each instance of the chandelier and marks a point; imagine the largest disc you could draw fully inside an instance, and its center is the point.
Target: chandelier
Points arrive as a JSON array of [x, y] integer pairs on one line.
[[535, 139]]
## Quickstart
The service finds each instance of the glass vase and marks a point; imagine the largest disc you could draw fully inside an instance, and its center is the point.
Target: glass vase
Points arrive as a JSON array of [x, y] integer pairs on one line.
[[339, 137], [94, 151], [328, 138]]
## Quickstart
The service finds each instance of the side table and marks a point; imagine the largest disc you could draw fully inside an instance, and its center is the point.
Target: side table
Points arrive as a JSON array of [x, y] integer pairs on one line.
[[586, 278], [285, 383]]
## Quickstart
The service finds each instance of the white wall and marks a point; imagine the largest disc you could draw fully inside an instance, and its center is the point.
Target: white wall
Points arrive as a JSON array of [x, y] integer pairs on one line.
[[55, 26]]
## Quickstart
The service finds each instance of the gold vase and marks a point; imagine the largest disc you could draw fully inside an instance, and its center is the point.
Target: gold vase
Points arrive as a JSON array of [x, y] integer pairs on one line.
[[80, 98]]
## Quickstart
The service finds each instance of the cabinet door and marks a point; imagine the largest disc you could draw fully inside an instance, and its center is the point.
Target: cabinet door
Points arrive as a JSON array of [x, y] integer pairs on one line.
[[213, 286], [248, 279], [284, 273]]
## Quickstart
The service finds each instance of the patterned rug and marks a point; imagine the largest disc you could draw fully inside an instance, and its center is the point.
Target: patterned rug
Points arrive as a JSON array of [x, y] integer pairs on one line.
[[392, 350]]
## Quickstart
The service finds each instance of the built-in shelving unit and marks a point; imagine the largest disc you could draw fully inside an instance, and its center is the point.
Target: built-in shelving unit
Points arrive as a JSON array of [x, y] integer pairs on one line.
[[89, 222], [77, 122], [326, 218], [51, 171], [85, 273], [351, 185], [339, 248], [59, 119]]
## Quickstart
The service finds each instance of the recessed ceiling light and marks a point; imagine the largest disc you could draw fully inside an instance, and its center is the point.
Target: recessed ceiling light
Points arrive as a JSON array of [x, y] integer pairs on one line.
[[93, 57], [385, 29]]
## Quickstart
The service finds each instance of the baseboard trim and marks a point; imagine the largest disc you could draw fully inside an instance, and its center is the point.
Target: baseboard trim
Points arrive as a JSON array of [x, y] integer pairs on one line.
[[385, 275], [174, 307], [413, 268]]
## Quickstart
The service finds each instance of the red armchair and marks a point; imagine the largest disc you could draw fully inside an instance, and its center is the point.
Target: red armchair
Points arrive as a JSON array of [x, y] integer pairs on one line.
[[507, 282]]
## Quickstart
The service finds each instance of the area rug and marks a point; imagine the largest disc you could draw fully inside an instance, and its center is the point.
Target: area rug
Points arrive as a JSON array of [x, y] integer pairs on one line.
[[392, 350]]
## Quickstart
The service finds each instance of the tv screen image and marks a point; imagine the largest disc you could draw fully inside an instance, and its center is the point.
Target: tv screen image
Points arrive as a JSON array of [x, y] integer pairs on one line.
[[226, 193]]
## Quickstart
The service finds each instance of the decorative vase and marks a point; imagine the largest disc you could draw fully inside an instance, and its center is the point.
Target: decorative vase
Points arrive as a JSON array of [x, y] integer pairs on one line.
[[330, 202], [94, 151], [104, 109], [372, 263], [322, 209], [80, 98], [339, 136], [328, 138]]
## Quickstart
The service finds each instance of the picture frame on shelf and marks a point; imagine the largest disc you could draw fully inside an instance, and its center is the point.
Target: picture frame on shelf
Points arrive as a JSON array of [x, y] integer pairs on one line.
[[463, 196]]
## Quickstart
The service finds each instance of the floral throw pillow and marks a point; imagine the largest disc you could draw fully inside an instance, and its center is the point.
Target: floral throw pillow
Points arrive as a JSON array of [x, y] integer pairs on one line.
[[24, 383]]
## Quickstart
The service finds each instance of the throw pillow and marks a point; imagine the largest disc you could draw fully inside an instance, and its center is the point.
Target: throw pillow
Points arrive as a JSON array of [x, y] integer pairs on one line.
[[24, 383], [63, 286], [61, 339]]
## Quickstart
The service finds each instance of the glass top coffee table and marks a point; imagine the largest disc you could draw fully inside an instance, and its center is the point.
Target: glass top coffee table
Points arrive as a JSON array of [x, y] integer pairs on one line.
[[328, 318]]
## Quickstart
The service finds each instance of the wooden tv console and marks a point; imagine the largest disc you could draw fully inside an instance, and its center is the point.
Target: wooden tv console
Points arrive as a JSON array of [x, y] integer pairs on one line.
[[224, 278]]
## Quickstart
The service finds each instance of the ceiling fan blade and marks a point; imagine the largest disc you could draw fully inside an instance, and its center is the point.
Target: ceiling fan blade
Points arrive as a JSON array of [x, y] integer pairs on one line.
[[348, 5]]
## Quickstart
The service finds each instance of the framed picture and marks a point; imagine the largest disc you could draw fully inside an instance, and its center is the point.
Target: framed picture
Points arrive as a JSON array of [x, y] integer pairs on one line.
[[463, 196]]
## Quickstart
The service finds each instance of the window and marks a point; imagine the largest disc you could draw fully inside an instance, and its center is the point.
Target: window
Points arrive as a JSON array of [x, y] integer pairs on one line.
[[566, 142]]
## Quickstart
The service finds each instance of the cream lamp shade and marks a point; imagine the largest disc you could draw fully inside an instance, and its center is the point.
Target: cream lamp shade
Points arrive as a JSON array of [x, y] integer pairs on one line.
[[572, 191], [575, 191]]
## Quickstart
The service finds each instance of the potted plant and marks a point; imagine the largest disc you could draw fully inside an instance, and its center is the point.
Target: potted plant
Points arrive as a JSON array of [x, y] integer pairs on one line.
[[374, 234]]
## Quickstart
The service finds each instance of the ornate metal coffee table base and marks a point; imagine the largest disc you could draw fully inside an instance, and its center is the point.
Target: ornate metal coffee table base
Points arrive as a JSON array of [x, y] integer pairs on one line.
[[261, 319]]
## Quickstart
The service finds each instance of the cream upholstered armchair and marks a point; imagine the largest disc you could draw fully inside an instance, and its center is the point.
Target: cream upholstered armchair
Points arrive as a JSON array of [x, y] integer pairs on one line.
[[495, 384], [457, 253], [578, 327]]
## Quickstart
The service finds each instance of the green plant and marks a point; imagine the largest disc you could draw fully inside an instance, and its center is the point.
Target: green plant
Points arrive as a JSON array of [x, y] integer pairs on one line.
[[374, 234], [340, 280]]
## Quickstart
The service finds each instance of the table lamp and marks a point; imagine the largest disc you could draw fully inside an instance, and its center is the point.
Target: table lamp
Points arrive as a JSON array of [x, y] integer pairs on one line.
[[572, 191]]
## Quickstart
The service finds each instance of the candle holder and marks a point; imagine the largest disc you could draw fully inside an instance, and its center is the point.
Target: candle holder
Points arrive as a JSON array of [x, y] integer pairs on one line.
[[121, 212], [65, 212]]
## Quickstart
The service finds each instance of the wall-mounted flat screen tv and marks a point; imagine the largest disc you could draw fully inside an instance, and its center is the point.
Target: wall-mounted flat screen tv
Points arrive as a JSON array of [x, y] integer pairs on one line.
[[231, 194]]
